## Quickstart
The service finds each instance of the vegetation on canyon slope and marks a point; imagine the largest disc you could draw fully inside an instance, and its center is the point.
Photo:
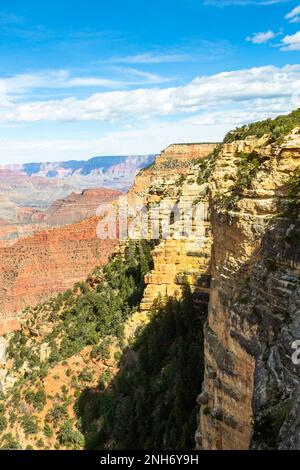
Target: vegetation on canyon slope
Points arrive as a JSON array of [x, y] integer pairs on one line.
[[151, 403], [276, 128], [206, 165], [70, 349], [92, 315]]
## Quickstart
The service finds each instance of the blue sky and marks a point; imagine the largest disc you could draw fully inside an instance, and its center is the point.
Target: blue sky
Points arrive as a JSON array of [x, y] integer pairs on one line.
[[82, 78]]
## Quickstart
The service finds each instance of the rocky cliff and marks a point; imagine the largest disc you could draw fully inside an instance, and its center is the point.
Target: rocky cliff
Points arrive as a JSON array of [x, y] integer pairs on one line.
[[251, 251], [254, 300], [48, 262], [172, 185]]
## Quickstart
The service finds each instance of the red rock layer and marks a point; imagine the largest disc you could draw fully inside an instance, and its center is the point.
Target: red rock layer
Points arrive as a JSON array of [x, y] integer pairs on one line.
[[51, 261], [79, 206]]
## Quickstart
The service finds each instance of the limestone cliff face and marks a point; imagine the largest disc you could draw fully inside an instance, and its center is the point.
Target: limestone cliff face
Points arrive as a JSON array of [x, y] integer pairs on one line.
[[250, 248], [161, 176], [178, 258], [254, 304]]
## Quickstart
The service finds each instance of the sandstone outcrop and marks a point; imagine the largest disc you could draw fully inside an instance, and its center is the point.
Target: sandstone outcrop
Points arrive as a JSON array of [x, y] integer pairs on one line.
[[178, 258]]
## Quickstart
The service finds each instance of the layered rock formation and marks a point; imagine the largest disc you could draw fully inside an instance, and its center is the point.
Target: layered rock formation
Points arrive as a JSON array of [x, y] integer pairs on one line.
[[51, 261], [250, 379], [254, 300], [162, 175], [238, 249], [78, 206], [171, 189], [69, 210], [28, 191]]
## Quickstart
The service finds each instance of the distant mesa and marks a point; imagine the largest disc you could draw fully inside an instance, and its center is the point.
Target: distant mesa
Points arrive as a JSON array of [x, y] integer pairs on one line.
[[105, 164]]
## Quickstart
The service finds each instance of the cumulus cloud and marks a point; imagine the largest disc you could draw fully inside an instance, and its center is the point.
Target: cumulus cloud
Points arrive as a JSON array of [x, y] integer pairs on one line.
[[291, 42], [294, 15], [261, 38], [142, 138], [201, 94]]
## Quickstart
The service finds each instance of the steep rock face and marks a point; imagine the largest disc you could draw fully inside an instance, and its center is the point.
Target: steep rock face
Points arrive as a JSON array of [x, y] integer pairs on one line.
[[180, 259], [49, 262], [250, 379], [254, 303], [175, 160], [173, 183]]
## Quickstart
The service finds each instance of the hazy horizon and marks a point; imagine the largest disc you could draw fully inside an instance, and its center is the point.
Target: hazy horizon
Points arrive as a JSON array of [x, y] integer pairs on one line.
[[16, 164]]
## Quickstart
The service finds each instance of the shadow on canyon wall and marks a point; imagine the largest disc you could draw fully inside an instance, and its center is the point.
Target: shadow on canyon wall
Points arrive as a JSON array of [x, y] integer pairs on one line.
[[151, 403]]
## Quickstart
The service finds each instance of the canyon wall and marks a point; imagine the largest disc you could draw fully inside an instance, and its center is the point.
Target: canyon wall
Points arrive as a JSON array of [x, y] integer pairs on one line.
[[251, 251], [179, 258], [254, 299], [240, 256], [48, 262]]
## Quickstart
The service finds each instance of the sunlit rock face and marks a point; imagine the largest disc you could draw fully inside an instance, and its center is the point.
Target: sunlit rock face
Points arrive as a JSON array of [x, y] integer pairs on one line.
[[178, 258], [250, 378]]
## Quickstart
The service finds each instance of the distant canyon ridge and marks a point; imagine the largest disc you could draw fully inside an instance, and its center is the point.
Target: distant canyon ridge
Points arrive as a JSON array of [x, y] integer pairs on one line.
[[35, 196], [48, 225]]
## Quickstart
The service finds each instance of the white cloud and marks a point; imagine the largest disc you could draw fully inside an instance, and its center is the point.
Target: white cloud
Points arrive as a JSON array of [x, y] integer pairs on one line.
[[261, 38], [60, 79], [149, 58], [147, 137], [294, 15], [203, 93], [291, 42], [148, 77]]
